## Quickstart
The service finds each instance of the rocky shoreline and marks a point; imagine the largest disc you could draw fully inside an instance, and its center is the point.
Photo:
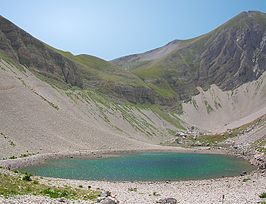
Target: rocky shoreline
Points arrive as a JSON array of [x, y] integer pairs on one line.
[[91, 154], [241, 189], [228, 190]]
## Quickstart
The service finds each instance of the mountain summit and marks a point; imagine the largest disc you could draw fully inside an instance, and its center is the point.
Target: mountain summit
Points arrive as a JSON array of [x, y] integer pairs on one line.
[[231, 55]]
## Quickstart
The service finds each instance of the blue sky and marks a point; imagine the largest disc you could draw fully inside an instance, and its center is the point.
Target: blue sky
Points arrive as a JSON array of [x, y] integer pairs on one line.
[[114, 28]]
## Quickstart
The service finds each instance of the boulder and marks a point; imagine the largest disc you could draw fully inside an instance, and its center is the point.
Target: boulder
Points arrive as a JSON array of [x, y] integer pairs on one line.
[[109, 201], [167, 201], [105, 194]]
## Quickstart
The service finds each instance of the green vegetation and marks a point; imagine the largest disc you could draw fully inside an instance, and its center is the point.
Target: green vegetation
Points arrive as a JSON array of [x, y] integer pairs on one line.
[[154, 193], [129, 111], [22, 81], [15, 185], [194, 102], [52, 80], [246, 179], [106, 108], [5, 137], [214, 139], [217, 105], [163, 90], [208, 107], [139, 123], [148, 72], [260, 145], [171, 118], [95, 68], [263, 195], [26, 154], [21, 156], [12, 143], [49, 102], [27, 177], [7, 59], [133, 189]]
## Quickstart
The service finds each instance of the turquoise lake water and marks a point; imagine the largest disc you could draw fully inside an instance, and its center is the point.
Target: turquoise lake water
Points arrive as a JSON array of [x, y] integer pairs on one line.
[[144, 167]]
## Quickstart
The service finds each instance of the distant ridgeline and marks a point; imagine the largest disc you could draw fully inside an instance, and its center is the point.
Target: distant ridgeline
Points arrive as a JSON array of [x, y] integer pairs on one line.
[[229, 56]]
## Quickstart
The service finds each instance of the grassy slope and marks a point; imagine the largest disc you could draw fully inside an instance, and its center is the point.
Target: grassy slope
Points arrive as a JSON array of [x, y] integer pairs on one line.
[[142, 123], [126, 109], [214, 139], [99, 69]]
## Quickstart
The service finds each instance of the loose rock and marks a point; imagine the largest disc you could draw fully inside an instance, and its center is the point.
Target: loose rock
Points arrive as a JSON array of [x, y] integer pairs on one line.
[[109, 201], [167, 201]]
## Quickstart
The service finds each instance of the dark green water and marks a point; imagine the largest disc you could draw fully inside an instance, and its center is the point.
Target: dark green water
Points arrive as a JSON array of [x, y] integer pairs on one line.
[[144, 167]]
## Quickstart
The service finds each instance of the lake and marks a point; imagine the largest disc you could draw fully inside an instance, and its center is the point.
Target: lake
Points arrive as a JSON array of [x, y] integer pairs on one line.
[[159, 166]]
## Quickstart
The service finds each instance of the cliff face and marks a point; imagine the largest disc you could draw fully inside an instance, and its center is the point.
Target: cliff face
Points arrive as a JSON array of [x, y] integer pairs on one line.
[[229, 56], [83, 71], [28, 51], [234, 53]]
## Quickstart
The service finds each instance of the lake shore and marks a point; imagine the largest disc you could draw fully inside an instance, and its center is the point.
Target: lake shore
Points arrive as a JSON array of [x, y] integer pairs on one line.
[[238, 189], [92, 154]]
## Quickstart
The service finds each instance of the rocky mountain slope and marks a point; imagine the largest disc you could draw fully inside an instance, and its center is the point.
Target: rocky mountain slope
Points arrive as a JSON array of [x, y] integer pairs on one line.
[[52, 100], [229, 56], [37, 117], [137, 60], [82, 71]]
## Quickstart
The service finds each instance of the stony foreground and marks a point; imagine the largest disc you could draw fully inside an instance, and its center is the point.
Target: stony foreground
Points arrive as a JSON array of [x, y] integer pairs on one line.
[[235, 190]]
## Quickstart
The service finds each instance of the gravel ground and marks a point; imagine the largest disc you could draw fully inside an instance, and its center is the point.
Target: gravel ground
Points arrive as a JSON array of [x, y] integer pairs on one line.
[[234, 189]]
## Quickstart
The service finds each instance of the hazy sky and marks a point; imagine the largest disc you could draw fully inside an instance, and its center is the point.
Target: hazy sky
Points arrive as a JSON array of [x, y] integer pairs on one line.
[[113, 28]]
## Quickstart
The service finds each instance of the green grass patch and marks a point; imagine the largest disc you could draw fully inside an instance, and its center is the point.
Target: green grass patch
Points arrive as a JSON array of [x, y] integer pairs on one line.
[[260, 145], [149, 72], [194, 102], [12, 186], [52, 80], [167, 116], [163, 90], [94, 68], [263, 195], [214, 139], [9, 60], [208, 107]]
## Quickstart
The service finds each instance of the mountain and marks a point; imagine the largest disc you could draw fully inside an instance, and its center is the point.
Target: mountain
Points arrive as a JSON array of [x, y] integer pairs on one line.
[[137, 60], [82, 71], [52, 100], [229, 56]]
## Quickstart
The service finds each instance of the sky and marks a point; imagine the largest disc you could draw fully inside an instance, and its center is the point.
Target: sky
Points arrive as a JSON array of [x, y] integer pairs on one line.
[[115, 28]]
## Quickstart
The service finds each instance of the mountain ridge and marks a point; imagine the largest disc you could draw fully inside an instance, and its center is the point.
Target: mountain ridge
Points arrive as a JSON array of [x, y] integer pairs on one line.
[[166, 76], [207, 85], [208, 59]]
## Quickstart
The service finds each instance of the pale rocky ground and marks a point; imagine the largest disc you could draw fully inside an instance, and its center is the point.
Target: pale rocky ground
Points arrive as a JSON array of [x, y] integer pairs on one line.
[[31, 122], [205, 191], [38, 118], [249, 136], [230, 109], [35, 117], [235, 190]]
